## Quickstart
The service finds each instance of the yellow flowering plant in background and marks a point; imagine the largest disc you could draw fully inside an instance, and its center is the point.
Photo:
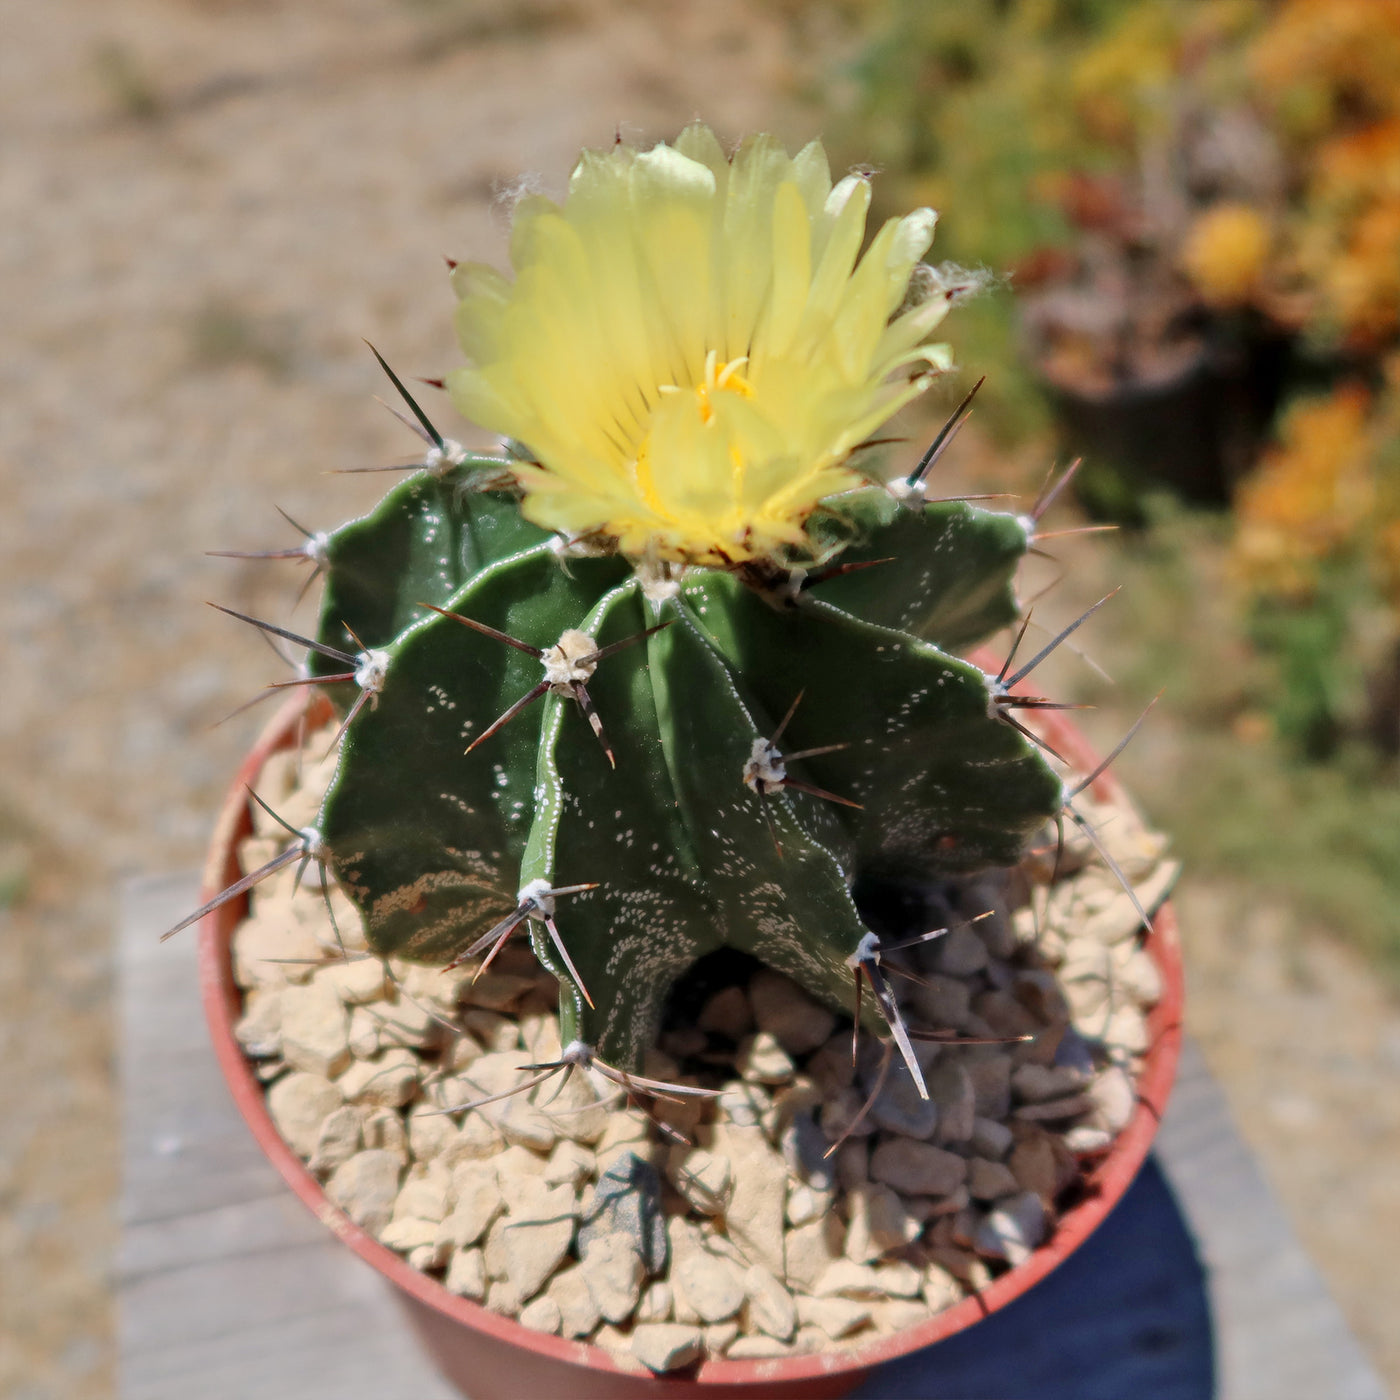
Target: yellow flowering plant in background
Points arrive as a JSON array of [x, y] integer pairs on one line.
[[693, 347]]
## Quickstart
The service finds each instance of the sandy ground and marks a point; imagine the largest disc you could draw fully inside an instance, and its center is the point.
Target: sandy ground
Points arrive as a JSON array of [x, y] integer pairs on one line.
[[203, 207]]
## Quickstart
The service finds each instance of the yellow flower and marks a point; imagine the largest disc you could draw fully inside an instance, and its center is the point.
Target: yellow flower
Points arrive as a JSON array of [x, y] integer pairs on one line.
[[690, 351]]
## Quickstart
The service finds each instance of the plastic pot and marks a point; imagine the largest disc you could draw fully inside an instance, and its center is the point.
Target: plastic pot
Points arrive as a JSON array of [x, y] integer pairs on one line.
[[491, 1357]]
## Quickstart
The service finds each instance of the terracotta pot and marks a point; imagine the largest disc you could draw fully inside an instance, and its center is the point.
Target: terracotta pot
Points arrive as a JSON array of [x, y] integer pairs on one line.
[[493, 1358]]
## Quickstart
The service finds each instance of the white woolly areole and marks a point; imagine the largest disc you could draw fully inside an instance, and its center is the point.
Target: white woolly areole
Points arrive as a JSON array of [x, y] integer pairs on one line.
[[660, 580], [439, 460], [765, 771], [902, 489], [370, 671], [313, 843], [867, 950], [539, 894], [317, 548], [566, 664]]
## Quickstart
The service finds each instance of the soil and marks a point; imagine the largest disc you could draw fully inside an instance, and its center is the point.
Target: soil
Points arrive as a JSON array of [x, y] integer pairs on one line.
[[203, 207]]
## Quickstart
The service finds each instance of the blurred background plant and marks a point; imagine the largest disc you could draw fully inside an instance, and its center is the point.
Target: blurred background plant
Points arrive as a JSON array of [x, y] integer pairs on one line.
[[1191, 213]]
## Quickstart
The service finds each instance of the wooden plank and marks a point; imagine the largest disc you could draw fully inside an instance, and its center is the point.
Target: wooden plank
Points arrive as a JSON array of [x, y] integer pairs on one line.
[[229, 1288], [1279, 1333]]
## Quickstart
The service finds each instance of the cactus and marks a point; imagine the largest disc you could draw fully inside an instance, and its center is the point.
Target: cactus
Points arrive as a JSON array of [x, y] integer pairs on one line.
[[645, 687]]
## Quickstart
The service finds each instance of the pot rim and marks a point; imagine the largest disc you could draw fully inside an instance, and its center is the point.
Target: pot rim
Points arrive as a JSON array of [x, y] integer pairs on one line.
[[1105, 1182]]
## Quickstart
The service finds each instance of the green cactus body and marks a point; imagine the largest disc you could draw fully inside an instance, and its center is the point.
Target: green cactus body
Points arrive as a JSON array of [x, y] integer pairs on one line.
[[436, 844], [571, 675]]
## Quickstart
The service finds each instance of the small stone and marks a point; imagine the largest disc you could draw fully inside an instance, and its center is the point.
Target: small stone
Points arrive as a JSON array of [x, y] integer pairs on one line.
[[899, 1107], [478, 1203], [389, 1080], [1038, 1083], [852, 1164], [849, 1279], [810, 1250], [299, 1104], [719, 1336], [837, 1317], [917, 1168], [804, 1147], [830, 1067], [897, 1278], [429, 1131], [493, 1249], [497, 1033], [754, 1216], [940, 1289], [539, 1032], [366, 1187], [757, 1348], [762, 1060], [522, 1124], [627, 1201], [950, 1086], [259, 1029], [942, 1001], [338, 1141], [1032, 1164], [989, 1138], [878, 1222], [613, 1273], [383, 1130], [785, 1011], [466, 1275], [727, 1013], [625, 1128], [577, 1114], [744, 1105], [363, 1033], [476, 1140], [702, 1178], [541, 1315], [1014, 1229], [1004, 1014], [1114, 1097], [497, 991], [960, 953], [315, 1029], [460, 1051], [666, 1346], [1085, 1139], [424, 1194], [357, 980], [408, 1023], [1140, 978], [655, 1304], [405, 1233], [261, 944], [538, 1232], [502, 1296], [709, 1283], [578, 1313], [515, 1162], [1055, 1111], [569, 1164], [1126, 1031], [771, 1308], [844, 1116], [896, 1314], [991, 1085], [988, 1180], [806, 1203]]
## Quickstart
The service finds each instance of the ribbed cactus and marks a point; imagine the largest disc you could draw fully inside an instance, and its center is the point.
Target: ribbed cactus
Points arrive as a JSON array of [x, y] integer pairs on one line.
[[726, 652]]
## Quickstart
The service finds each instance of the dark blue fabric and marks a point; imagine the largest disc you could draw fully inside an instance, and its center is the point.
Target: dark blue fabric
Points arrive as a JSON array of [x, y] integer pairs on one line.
[[1125, 1317]]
